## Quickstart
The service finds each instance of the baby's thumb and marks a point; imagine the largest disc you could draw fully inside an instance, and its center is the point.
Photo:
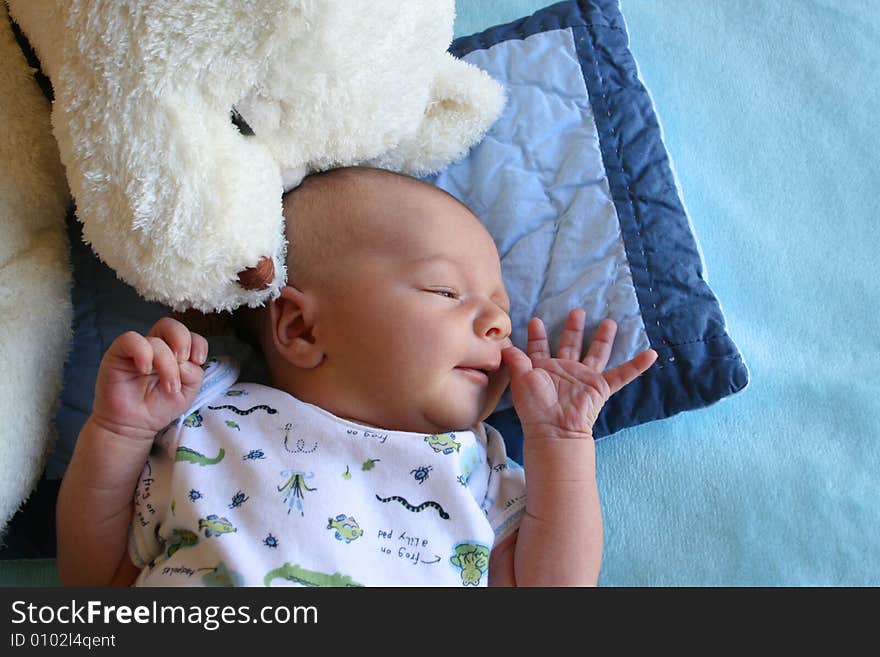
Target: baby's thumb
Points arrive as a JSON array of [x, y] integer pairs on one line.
[[517, 362], [191, 376]]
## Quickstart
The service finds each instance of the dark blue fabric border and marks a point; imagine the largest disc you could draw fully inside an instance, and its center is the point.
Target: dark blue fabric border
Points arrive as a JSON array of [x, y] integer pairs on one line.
[[698, 362]]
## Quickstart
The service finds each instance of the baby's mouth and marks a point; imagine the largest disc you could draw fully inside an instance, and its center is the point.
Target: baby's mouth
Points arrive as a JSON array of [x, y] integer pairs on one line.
[[479, 372], [475, 374]]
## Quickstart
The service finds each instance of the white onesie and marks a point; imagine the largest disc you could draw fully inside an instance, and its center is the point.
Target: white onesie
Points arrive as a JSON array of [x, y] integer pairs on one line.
[[256, 488]]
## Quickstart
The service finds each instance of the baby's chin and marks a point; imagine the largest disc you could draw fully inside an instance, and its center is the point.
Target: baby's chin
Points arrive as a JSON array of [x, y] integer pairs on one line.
[[428, 422], [444, 410], [457, 402], [455, 417]]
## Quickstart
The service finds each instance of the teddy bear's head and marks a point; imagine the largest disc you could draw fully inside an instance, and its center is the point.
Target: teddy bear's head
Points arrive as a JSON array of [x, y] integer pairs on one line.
[[181, 124]]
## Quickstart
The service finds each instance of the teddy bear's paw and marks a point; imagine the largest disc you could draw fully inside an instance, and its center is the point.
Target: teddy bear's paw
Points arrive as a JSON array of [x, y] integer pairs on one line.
[[258, 277]]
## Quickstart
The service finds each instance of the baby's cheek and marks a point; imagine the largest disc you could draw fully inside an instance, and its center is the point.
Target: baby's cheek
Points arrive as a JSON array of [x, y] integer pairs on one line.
[[407, 365]]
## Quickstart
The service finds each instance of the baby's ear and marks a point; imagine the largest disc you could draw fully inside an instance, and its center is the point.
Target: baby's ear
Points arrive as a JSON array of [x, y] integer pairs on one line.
[[291, 317]]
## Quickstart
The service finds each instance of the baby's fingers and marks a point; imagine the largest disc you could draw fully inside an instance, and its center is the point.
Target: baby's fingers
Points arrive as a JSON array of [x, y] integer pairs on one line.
[[572, 341], [630, 370], [165, 365], [134, 348], [600, 348], [537, 346], [182, 342], [199, 350], [517, 362]]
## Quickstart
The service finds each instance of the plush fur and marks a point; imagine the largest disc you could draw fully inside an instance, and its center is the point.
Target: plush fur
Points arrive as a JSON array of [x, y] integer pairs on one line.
[[35, 280], [178, 200]]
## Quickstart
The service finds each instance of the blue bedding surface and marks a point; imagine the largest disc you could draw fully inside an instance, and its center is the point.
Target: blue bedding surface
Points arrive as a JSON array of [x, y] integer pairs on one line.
[[768, 110], [769, 114]]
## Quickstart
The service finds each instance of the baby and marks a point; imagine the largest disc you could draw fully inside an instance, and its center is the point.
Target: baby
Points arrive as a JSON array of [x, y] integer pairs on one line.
[[366, 462]]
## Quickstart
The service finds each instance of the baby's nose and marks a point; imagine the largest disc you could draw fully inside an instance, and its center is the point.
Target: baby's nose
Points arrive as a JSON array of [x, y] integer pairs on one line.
[[494, 324]]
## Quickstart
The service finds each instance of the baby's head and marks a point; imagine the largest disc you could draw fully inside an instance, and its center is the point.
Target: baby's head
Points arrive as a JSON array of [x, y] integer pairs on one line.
[[395, 311]]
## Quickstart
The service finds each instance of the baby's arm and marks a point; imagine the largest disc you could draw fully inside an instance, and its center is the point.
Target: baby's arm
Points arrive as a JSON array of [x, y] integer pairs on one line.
[[143, 383], [559, 542]]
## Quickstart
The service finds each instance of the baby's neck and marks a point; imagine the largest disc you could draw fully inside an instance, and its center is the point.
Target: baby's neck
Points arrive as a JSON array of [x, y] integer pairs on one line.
[[320, 393]]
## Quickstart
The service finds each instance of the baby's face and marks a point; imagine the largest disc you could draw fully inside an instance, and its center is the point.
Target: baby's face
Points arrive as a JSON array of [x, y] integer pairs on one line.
[[414, 323]]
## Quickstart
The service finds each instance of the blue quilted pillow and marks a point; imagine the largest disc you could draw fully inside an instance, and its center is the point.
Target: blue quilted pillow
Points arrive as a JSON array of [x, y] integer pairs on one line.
[[576, 187]]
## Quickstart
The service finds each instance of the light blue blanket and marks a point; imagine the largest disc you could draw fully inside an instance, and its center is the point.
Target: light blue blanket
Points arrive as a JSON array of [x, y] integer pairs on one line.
[[769, 112]]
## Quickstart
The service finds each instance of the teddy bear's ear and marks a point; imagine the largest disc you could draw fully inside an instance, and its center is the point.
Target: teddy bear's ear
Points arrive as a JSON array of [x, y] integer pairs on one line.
[[465, 102]]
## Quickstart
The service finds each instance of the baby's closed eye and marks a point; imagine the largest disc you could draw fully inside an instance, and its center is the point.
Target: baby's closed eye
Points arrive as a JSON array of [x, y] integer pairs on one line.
[[448, 292]]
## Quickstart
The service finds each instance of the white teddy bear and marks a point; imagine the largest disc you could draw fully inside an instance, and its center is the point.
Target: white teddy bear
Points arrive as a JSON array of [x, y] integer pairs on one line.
[[180, 123]]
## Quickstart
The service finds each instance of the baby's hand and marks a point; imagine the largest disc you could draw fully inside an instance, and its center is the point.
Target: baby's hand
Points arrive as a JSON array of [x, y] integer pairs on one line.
[[561, 397], [145, 382]]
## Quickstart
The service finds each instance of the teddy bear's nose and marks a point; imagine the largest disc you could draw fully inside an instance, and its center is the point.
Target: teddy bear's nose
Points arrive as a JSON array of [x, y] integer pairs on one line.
[[258, 277]]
